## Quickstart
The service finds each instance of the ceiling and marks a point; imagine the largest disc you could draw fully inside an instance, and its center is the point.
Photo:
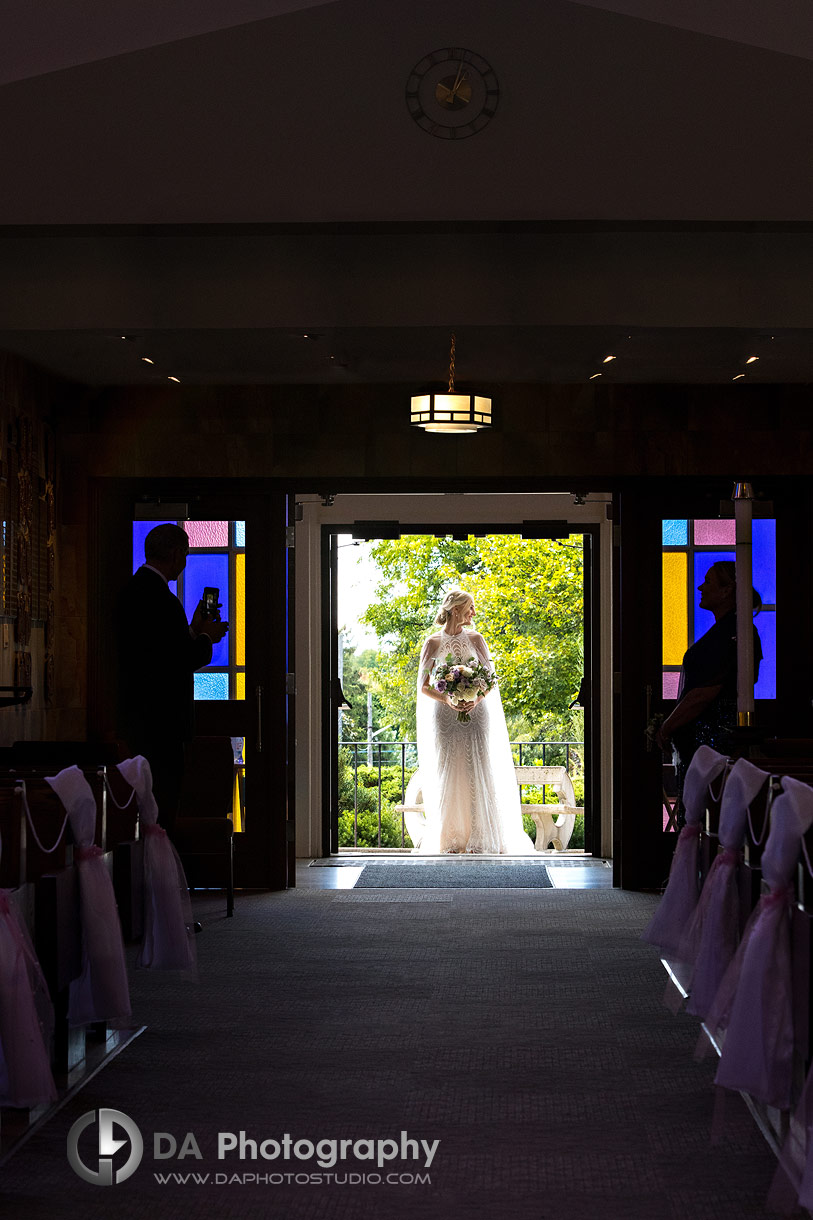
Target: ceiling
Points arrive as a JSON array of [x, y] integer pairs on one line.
[[418, 355], [672, 126], [300, 116]]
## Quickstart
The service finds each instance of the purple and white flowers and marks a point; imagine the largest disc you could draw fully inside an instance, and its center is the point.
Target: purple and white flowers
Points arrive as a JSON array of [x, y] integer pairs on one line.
[[464, 683]]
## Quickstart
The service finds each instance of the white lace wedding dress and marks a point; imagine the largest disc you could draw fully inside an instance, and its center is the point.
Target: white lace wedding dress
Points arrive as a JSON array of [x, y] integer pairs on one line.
[[470, 792]]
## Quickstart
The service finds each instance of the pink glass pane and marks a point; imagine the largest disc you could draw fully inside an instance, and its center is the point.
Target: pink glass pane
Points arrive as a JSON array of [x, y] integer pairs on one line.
[[207, 533], [671, 682], [714, 533]]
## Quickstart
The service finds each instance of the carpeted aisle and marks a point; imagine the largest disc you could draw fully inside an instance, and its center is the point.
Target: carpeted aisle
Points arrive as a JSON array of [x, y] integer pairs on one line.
[[523, 1029]]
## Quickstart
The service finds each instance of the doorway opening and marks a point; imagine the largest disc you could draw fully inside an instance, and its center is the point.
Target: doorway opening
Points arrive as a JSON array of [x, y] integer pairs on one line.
[[529, 597]]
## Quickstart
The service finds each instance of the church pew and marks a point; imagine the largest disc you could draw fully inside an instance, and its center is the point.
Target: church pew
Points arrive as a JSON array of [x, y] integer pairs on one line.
[[128, 854], [710, 827], [116, 832], [58, 944], [48, 824], [12, 836], [94, 776]]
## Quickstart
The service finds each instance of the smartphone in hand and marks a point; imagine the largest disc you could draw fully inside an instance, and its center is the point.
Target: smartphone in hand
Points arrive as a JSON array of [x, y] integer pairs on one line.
[[211, 602]]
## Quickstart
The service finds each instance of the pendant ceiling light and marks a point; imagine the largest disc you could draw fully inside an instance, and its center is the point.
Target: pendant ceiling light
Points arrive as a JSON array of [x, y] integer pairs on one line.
[[451, 410]]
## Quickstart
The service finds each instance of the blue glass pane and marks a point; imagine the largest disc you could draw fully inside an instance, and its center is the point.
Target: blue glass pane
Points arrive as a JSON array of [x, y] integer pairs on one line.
[[202, 570], [703, 619], [211, 686], [140, 531], [764, 560], [675, 533], [239, 533], [765, 624]]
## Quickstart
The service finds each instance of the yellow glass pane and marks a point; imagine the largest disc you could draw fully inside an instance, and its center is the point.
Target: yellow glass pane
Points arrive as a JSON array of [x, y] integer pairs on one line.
[[675, 609], [240, 615], [240, 686], [237, 803]]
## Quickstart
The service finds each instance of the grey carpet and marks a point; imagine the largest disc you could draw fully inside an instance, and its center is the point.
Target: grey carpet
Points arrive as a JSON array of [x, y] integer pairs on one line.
[[454, 875], [522, 1028]]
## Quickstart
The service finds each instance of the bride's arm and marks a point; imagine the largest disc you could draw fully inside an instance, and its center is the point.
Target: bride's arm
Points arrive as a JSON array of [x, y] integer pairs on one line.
[[425, 669]]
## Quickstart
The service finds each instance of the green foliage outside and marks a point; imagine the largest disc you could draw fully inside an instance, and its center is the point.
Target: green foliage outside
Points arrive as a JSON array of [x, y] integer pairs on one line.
[[529, 603], [367, 800], [367, 803], [358, 668]]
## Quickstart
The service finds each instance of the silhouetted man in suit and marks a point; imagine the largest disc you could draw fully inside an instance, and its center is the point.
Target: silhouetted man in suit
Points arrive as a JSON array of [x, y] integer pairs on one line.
[[159, 652]]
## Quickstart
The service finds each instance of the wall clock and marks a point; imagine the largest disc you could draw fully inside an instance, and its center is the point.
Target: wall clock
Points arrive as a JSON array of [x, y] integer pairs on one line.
[[452, 93]]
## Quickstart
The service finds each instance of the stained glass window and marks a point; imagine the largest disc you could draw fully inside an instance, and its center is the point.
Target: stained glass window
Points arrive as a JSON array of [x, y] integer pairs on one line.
[[675, 613], [207, 533], [216, 559], [689, 550], [675, 533], [715, 532], [210, 685]]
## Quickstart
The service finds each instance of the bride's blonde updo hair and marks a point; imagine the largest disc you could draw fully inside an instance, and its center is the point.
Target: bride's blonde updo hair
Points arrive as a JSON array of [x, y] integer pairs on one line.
[[454, 598]]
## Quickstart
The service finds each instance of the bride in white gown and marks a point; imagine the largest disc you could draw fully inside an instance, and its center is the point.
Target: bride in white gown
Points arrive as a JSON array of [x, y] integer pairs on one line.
[[470, 792]]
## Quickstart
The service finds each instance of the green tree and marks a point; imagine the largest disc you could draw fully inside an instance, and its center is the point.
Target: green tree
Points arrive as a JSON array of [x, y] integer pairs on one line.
[[358, 679], [529, 602], [416, 570]]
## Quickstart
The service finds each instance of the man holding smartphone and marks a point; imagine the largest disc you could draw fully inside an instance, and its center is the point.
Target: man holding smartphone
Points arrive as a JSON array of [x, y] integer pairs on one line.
[[158, 653]]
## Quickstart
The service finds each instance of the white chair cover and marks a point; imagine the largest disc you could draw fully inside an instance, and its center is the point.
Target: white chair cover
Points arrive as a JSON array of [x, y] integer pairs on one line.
[[710, 938], [168, 942], [754, 1001], [101, 993], [680, 897], [26, 1017]]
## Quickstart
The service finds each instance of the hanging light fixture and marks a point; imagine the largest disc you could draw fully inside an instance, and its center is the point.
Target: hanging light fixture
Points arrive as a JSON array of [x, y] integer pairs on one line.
[[451, 410]]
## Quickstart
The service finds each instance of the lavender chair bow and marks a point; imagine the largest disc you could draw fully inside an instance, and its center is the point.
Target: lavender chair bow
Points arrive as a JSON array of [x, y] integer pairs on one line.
[[168, 943], [680, 897], [754, 1001], [710, 938], [26, 1017], [101, 993]]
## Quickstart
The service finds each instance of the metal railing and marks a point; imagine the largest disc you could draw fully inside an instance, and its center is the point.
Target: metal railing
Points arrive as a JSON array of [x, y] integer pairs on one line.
[[405, 759]]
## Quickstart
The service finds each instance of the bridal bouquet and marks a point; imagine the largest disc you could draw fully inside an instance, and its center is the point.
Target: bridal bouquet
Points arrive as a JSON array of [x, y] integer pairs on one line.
[[464, 683]]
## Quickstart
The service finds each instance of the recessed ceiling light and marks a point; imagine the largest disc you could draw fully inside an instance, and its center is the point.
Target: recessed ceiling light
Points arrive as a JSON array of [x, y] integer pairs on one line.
[[752, 359], [607, 359], [172, 378], [593, 376], [147, 360], [738, 377]]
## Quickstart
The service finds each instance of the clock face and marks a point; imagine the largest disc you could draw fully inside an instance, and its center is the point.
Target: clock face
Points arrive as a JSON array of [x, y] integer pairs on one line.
[[452, 93]]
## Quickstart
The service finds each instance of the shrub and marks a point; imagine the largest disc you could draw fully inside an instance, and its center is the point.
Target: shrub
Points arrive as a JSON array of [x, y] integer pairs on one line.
[[368, 827]]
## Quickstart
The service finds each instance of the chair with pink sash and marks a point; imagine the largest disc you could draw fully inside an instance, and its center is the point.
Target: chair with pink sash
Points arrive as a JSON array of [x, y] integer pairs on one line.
[[168, 942], [26, 1017], [101, 992], [754, 1003], [681, 894], [710, 938]]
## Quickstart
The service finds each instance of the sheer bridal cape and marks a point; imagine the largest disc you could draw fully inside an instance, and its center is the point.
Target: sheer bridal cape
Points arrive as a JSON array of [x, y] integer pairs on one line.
[[470, 791]]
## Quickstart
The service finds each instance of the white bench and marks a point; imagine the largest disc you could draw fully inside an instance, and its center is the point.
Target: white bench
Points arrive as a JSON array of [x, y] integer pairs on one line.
[[554, 823]]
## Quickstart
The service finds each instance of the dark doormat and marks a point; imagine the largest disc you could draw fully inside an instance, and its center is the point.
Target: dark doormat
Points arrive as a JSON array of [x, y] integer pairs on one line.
[[454, 875]]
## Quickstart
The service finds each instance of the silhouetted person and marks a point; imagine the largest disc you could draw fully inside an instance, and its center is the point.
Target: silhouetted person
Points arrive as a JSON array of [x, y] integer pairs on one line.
[[706, 711], [158, 653]]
